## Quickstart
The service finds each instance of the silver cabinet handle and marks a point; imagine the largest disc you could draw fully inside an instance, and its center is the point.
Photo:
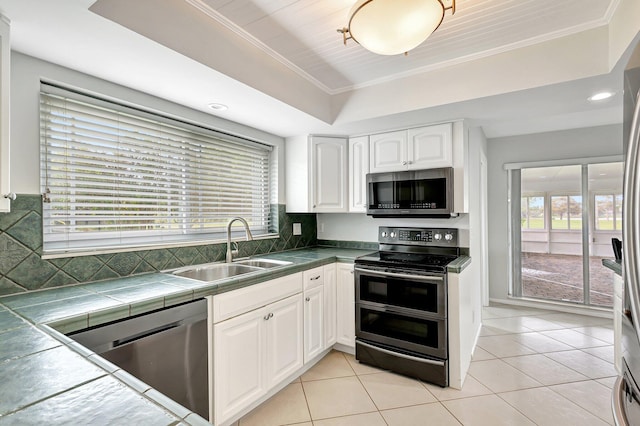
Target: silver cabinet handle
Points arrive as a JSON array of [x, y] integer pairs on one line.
[[314, 278], [307, 299], [269, 315], [404, 163]]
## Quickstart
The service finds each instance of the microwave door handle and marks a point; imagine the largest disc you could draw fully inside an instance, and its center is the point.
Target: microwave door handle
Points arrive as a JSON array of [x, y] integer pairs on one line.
[[397, 275]]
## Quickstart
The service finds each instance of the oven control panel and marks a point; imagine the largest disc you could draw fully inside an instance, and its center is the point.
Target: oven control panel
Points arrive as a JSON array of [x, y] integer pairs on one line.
[[418, 236]]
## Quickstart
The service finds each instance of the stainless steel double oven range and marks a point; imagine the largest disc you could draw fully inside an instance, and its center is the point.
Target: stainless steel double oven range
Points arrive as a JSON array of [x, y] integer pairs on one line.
[[401, 302]]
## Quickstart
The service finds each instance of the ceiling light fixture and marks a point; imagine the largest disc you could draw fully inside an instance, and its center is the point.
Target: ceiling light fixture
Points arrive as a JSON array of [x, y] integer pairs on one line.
[[218, 107], [391, 27], [601, 96]]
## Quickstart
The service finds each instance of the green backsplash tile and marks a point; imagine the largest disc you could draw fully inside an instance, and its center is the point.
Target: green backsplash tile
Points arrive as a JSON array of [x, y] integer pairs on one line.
[[158, 258], [32, 273], [28, 230], [22, 269], [124, 263], [83, 268], [9, 287], [12, 253]]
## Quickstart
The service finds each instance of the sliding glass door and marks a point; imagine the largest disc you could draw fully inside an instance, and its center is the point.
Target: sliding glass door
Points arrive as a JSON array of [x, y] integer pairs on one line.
[[567, 217]]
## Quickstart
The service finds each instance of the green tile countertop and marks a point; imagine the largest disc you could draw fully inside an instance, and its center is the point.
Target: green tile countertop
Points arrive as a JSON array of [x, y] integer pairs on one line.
[[614, 265], [459, 264], [48, 378]]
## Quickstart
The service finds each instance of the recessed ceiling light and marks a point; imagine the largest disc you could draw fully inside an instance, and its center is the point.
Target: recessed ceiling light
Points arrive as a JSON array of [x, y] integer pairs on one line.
[[218, 107], [601, 96]]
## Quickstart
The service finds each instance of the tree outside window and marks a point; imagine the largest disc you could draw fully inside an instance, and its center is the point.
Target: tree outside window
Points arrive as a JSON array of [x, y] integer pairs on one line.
[[532, 212], [566, 212], [608, 212]]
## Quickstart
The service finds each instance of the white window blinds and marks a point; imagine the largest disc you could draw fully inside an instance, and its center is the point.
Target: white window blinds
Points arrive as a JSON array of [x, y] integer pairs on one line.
[[116, 177]]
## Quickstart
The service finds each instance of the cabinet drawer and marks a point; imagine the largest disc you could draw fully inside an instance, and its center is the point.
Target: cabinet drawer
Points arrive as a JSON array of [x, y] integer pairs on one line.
[[313, 278], [236, 302]]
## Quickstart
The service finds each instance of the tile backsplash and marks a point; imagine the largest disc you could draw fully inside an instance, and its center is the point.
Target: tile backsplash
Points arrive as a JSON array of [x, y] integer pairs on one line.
[[22, 269]]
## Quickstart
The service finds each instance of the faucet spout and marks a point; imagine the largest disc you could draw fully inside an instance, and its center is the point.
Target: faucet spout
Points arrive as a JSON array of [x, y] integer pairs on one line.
[[231, 252]]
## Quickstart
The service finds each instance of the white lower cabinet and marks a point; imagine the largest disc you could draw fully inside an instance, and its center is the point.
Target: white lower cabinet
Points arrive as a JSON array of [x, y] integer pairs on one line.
[[313, 322], [262, 335], [239, 348], [284, 339], [345, 305], [255, 350], [329, 311]]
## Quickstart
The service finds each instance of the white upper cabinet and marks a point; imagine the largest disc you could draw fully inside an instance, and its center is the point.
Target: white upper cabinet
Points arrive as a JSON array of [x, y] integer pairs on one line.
[[316, 174], [329, 177], [430, 147], [388, 152], [358, 169], [413, 149]]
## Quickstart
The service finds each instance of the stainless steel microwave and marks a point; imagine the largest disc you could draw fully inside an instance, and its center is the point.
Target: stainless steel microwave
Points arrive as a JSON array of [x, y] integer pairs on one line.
[[416, 193]]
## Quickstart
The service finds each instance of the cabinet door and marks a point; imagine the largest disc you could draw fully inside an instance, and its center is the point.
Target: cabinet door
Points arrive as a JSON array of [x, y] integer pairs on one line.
[[329, 305], [329, 174], [313, 323], [358, 169], [346, 308], [238, 353], [284, 339], [430, 147], [388, 152]]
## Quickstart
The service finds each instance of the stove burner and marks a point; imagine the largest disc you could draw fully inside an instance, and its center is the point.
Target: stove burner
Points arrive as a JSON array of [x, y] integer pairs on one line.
[[415, 261]]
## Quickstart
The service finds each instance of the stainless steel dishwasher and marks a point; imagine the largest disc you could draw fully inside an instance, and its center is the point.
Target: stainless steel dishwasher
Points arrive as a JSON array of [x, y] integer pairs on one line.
[[166, 349]]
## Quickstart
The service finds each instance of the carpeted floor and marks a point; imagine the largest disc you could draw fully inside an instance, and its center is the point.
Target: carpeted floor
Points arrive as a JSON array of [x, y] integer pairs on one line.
[[559, 277]]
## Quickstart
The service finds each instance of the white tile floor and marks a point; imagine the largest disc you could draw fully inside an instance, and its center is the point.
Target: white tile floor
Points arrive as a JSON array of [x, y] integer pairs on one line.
[[531, 367]]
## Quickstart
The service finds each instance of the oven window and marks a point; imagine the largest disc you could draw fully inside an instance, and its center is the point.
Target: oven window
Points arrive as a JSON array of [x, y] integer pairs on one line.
[[419, 295], [415, 330]]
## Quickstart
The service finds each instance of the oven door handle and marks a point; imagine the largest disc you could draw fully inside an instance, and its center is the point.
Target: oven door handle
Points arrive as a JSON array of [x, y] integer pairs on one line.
[[397, 275], [401, 355]]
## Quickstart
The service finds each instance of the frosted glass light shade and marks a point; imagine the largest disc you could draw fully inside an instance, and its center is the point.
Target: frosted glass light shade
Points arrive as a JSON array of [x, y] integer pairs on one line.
[[391, 27]]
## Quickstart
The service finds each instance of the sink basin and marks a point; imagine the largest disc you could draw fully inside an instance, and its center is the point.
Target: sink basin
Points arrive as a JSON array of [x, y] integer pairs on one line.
[[262, 263], [215, 271]]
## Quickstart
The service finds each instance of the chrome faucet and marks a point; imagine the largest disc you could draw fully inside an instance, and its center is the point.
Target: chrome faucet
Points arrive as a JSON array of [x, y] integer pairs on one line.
[[231, 252]]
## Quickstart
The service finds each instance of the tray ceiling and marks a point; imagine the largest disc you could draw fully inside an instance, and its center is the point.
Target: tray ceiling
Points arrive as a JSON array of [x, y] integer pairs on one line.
[[303, 34]]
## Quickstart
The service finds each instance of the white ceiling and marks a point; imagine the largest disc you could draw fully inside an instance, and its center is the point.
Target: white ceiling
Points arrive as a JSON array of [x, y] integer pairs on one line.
[[303, 32], [510, 66]]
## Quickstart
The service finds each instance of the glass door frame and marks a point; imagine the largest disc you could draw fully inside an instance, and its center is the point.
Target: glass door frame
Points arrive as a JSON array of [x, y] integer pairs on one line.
[[514, 197]]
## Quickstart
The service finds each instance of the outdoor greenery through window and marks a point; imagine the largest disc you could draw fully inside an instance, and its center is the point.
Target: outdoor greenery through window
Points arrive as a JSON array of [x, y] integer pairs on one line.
[[566, 212], [114, 176], [533, 212], [608, 209]]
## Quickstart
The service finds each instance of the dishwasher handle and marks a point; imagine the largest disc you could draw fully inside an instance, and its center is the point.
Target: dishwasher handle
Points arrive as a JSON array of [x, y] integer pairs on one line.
[[146, 333]]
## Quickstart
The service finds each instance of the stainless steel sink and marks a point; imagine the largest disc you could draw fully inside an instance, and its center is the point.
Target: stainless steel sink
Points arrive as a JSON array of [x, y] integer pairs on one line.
[[214, 271], [263, 263]]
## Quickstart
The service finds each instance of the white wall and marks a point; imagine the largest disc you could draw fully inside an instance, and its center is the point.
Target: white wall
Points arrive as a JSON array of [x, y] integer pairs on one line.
[[26, 73], [568, 144]]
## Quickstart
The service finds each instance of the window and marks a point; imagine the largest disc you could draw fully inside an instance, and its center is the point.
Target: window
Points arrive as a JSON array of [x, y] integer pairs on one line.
[[608, 212], [532, 212], [116, 177], [566, 212]]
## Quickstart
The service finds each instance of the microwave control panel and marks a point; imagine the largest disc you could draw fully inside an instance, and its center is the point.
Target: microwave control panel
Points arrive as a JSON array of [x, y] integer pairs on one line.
[[418, 236]]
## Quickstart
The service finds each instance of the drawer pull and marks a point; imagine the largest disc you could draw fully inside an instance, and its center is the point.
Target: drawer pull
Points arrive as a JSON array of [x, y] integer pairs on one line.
[[307, 299], [314, 278]]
